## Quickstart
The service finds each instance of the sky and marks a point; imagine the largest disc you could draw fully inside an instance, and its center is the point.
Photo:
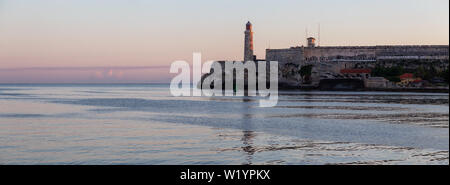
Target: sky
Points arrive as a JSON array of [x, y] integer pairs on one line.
[[135, 41]]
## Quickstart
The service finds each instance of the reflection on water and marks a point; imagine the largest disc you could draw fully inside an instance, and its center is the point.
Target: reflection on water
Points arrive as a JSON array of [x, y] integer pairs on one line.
[[247, 147], [143, 124]]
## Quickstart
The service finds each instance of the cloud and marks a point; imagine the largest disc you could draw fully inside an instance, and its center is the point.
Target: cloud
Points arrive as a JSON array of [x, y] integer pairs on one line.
[[84, 68], [104, 74]]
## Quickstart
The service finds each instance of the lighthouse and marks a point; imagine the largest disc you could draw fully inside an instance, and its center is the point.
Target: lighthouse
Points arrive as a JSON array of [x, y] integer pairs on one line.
[[248, 44]]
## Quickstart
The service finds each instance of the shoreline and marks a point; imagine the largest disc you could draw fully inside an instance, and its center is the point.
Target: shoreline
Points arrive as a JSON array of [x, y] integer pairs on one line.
[[427, 90]]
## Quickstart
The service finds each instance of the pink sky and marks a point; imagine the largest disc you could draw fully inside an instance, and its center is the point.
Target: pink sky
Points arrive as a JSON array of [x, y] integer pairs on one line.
[[82, 41]]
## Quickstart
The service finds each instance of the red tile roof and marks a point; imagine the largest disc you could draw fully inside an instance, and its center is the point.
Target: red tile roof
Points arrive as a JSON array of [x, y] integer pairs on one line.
[[406, 75], [347, 71]]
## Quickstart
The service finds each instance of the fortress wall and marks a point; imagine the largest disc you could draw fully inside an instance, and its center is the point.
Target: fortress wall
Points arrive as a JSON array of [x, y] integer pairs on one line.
[[331, 59], [413, 52], [430, 52], [284, 56], [361, 56], [333, 52]]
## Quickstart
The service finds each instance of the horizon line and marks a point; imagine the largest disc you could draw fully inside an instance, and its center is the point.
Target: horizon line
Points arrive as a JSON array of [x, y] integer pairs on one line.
[[83, 68]]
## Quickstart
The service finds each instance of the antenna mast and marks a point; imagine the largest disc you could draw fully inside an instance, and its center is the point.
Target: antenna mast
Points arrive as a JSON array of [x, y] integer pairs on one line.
[[318, 43], [306, 33]]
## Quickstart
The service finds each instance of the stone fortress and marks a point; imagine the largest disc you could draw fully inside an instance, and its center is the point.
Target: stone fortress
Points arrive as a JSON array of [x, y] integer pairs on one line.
[[347, 65], [329, 61]]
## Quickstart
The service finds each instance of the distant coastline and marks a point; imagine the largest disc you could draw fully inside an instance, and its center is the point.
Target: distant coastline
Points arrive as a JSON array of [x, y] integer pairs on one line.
[[285, 88]]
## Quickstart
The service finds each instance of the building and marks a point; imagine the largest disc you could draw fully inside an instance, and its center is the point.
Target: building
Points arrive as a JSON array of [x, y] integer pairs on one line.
[[311, 42], [406, 79], [418, 83], [376, 82], [329, 60], [356, 73], [347, 62]]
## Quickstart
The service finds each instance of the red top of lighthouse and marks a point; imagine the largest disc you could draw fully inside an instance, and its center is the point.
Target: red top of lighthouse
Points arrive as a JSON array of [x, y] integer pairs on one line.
[[248, 25]]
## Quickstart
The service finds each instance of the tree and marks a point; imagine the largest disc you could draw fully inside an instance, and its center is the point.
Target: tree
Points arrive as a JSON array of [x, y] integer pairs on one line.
[[305, 73], [444, 74], [390, 73], [305, 70]]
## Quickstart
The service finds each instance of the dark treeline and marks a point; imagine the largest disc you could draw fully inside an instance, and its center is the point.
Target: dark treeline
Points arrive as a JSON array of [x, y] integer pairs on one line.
[[425, 73]]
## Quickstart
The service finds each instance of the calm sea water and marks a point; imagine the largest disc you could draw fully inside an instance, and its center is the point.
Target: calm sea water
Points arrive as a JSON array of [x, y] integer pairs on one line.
[[144, 124]]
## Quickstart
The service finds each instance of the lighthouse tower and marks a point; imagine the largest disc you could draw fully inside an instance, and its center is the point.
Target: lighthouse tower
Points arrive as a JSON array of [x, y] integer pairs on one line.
[[248, 45]]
